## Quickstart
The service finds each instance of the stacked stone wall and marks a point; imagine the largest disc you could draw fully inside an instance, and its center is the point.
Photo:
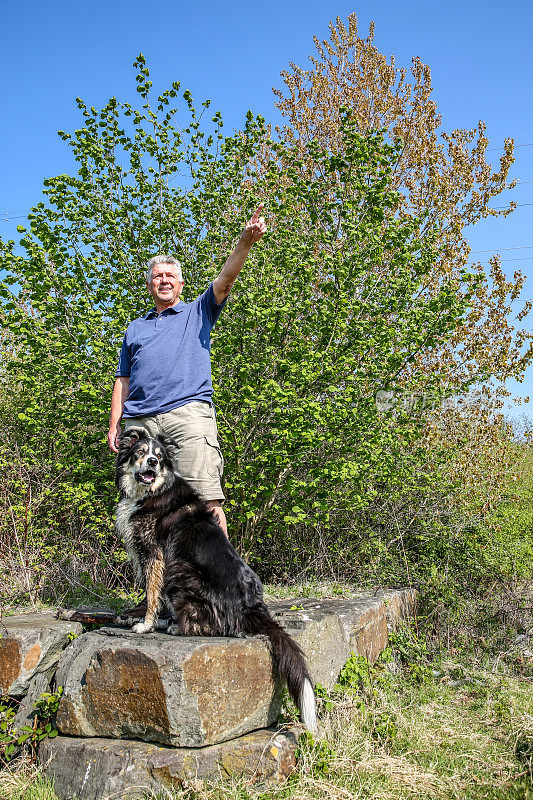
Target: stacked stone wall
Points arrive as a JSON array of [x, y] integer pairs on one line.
[[146, 712]]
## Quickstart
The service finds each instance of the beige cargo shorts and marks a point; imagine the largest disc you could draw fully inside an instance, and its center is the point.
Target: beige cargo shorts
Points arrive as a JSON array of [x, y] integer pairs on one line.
[[195, 450]]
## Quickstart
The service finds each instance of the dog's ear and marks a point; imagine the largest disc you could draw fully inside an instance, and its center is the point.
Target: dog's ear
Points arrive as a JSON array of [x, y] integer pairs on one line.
[[166, 443], [163, 440], [129, 436]]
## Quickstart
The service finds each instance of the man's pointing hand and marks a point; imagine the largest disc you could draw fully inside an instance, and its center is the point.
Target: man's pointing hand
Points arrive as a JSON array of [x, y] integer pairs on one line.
[[255, 228]]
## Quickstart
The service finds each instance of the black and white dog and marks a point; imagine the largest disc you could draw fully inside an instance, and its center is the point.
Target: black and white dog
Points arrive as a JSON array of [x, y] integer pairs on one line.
[[187, 565]]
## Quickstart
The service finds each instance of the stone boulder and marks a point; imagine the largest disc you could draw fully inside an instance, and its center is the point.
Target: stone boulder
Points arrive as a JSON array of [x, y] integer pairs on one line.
[[328, 630], [401, 605], [180, 691], [109, 769], [194, 691], [318, 629], [30, 647]]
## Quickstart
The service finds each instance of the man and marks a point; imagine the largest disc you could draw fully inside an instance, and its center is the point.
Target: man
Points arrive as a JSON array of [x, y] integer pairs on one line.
[[163, 381]]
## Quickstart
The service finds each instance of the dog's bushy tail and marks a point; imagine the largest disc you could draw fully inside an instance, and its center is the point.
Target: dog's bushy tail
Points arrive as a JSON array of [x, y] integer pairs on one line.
[[290, 662]]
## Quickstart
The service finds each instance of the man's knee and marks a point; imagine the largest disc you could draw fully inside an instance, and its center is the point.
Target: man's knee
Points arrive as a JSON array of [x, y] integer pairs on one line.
[[218, 511]]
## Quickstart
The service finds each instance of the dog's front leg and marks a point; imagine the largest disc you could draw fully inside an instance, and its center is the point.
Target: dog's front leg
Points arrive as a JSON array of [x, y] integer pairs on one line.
[[154, 585]]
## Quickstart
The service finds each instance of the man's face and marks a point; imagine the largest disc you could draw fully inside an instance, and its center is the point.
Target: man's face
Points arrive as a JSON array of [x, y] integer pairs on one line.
[[165, 286]]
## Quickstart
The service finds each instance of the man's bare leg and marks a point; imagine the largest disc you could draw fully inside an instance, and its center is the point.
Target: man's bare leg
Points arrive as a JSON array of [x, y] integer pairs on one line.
[[216, 506]]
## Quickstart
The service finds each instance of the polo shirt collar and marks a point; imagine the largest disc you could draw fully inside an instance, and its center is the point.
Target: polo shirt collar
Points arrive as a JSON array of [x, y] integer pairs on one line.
[[176, 309]]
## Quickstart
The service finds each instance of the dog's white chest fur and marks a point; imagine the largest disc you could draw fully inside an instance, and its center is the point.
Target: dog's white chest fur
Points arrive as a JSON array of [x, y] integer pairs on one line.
[[125, 509]]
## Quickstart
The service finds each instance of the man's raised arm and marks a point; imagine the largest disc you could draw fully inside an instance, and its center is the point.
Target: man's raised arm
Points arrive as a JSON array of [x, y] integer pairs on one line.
[[254, 229]]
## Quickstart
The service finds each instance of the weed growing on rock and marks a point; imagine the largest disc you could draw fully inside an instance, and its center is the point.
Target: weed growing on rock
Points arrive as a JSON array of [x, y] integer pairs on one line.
[[13, 740]]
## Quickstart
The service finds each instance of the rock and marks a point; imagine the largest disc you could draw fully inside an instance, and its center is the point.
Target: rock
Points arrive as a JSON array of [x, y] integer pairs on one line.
[[180, 691], [365, 622], [31, 647], [401, 605], [105, 769], [26, 711], [199, 691], [329, 630], [318, 629]]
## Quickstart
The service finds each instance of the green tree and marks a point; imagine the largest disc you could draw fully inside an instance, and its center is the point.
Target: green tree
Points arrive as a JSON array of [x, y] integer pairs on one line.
[[443, 177], [334, 305]]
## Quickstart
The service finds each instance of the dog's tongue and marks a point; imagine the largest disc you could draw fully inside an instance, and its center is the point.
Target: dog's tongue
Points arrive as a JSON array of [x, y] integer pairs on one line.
[[147, 477]]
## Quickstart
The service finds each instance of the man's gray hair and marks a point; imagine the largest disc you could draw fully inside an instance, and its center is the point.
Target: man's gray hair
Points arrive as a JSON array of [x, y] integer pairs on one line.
[[163, 259]]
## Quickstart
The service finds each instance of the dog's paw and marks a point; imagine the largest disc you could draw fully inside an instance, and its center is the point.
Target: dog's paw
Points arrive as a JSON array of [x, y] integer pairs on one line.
[[142, 627]]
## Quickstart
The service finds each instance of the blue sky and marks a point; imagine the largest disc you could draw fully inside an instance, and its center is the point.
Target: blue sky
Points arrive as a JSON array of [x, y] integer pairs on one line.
[[50, 53]]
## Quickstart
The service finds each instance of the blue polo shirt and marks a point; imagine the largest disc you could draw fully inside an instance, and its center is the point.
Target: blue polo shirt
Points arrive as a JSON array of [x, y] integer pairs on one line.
[[167, 356]]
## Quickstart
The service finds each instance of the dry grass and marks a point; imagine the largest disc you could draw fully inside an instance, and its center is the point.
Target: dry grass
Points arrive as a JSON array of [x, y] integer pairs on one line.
[[25, 781]]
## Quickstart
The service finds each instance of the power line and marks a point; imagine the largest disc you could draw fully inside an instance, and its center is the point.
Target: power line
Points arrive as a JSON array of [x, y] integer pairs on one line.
[[494, 208], [518, 258], [520, 247], [526, 144], [517, 205]]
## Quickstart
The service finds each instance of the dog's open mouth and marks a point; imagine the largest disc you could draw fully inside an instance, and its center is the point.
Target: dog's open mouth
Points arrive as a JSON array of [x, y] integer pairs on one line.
[[146, 477]]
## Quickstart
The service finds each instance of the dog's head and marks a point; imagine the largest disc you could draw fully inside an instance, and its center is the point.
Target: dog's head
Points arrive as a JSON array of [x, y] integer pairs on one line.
[[143, 464]]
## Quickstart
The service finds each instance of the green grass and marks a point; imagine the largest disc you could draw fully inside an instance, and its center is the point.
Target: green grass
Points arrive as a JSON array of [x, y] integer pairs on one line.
[[25, 781]]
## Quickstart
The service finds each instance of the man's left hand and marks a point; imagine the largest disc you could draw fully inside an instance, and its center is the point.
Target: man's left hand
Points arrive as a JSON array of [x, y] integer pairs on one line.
[[255, 228]]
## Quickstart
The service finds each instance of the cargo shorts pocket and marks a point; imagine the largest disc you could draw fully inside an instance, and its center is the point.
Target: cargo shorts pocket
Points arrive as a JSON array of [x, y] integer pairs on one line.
[[214, 461]]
